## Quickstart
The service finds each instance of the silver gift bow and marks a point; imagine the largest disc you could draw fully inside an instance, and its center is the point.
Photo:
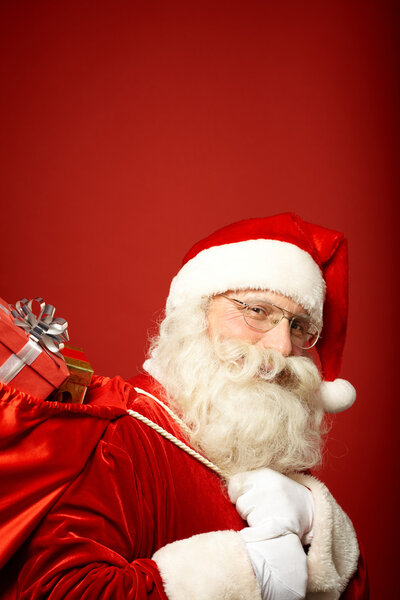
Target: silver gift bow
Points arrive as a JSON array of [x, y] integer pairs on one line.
[[49, 332], [43, 330]]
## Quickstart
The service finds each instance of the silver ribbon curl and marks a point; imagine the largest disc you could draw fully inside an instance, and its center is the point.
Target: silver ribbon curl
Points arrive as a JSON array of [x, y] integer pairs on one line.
[[49, 332]]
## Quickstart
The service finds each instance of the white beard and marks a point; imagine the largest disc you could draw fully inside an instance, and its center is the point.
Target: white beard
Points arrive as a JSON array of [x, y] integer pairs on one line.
[[247, 407]]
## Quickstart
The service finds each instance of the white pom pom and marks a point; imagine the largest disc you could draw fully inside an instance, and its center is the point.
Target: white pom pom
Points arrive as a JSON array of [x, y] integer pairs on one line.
[[337, 395]]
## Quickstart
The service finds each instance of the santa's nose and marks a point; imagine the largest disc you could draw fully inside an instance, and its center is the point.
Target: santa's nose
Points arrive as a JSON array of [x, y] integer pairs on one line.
[[278, 338]]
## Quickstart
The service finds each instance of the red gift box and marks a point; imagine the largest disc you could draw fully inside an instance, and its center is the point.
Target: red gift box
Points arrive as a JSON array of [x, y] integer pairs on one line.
[[44, 374], [5, 309]]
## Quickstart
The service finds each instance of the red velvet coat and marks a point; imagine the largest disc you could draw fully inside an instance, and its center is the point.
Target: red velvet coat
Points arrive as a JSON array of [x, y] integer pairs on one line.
[[88, 494]]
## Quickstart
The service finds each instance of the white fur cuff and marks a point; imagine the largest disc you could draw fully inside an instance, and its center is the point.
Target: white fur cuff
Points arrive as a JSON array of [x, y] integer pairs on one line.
[[212, 565], [333, 555]]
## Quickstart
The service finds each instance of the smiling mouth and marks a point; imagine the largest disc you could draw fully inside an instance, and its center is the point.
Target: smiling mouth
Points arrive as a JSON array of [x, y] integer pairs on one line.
[[285, 378]]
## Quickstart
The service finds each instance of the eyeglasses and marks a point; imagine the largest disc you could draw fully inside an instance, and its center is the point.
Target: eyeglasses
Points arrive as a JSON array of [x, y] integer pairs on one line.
[[264, 317]]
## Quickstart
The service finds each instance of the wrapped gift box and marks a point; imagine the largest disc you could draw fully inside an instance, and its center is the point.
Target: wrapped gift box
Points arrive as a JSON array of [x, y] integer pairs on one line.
[[80, 376], [5, 309], [47, 370]]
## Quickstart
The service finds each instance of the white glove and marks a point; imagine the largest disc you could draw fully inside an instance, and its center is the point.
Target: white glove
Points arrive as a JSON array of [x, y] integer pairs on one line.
[[280, 567], [272, 504]]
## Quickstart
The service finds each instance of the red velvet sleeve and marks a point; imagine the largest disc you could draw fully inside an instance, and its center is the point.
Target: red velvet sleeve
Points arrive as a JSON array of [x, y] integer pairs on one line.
[[91, 544]]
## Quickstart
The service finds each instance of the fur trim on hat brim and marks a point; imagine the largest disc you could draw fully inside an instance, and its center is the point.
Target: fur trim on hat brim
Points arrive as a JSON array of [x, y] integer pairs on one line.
[[260, 264], [337, 395]]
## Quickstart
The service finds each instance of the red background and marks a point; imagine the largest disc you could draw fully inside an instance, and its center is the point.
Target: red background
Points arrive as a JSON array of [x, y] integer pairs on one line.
[[129, 130]]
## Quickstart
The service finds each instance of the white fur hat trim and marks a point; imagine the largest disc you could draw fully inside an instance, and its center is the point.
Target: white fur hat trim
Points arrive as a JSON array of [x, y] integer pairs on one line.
[[252, 264]]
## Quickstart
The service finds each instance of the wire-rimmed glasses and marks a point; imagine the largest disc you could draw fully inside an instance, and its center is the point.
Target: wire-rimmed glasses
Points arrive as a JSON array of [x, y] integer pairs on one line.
[[265, 316]]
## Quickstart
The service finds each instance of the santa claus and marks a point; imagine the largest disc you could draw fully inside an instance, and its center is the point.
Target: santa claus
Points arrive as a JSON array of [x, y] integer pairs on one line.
[[193, 480]]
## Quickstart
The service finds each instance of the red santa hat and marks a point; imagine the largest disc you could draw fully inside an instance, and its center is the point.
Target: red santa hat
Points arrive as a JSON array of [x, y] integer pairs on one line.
[[286, 255]]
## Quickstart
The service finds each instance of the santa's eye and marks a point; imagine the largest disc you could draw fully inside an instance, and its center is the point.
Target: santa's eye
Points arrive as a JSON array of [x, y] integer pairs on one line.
[[258, 310], [259, 313], [300, 326]]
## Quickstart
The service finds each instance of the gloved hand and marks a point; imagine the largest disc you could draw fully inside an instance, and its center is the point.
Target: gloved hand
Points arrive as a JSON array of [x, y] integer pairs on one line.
[[272, 504], [280, 567]]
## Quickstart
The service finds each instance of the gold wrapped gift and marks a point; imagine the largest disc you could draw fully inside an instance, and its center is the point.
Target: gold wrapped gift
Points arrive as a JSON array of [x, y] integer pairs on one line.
[[80, 376]]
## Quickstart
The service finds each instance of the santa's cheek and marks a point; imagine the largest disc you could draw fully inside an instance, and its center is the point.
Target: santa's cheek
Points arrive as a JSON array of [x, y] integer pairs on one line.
[[237, 328]]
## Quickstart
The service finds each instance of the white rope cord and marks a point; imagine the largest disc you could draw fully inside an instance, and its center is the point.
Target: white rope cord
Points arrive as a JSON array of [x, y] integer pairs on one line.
[[175, 441], [171, 437], [171, 413]]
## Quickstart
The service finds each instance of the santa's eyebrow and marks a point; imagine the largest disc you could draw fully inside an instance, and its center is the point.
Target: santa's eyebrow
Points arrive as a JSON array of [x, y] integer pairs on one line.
[[253, 297]]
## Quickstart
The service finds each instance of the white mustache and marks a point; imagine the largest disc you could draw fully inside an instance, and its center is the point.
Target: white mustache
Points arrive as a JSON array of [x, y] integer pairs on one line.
[[246, 361]]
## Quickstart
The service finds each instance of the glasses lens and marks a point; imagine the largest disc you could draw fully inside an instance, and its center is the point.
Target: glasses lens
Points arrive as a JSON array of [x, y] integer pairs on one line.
[[304, 333], [262, 316]]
